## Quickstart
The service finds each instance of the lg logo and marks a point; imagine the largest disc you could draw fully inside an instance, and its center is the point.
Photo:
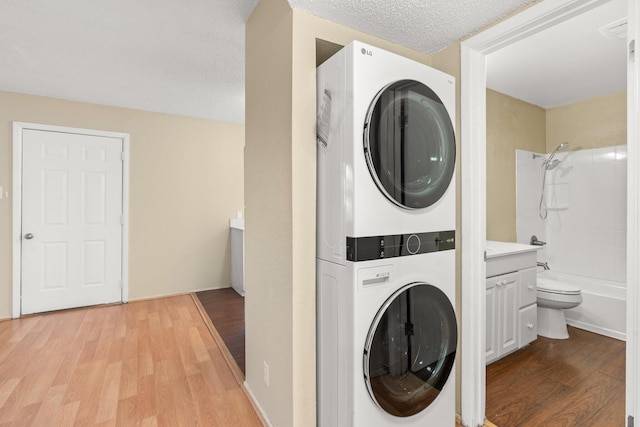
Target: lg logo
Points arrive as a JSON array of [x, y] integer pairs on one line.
[[366, 52]]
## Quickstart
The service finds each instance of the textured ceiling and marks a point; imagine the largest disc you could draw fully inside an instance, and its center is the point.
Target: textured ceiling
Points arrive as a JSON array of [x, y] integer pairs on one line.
[[187, 57], [171, 56], [424, 25]]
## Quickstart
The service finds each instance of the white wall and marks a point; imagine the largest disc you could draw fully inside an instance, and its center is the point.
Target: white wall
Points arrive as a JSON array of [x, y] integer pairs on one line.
[[585, 229]]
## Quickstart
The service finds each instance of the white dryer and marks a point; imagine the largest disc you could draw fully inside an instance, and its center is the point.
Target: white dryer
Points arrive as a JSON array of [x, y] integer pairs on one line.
[[387, 336], [386, 148]]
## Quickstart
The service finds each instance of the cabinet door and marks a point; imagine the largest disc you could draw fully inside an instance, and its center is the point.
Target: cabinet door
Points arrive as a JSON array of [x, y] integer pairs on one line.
[[508, 300], [491, 349]]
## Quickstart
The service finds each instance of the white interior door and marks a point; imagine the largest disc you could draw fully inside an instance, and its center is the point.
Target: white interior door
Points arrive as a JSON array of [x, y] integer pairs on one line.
[[72, 220]]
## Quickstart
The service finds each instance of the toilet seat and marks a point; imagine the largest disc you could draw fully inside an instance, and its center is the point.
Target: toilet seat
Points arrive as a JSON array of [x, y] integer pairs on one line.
[[554, 287], [556, 294]]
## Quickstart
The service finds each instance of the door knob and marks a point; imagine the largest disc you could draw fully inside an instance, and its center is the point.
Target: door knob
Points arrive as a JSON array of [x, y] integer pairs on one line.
[[28, 236]]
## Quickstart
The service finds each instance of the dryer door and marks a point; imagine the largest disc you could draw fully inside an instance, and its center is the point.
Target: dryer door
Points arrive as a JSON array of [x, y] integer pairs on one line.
[[409, 144], [410, 349]]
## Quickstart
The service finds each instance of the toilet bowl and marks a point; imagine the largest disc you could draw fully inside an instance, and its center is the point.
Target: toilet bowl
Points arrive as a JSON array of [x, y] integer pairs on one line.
[[553, 298]]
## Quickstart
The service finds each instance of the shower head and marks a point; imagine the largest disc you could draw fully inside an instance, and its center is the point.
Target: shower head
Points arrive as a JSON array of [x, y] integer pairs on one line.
[[552, 164]]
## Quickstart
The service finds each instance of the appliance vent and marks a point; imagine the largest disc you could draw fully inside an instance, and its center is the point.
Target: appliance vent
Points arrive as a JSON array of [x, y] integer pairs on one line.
[[616, 30]]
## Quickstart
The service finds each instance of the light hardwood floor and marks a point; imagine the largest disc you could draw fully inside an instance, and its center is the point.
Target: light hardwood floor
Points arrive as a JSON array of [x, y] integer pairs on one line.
[[144, 363]]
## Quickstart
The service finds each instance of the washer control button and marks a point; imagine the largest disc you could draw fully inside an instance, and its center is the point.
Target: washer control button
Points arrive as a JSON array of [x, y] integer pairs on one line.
[[413, 244]]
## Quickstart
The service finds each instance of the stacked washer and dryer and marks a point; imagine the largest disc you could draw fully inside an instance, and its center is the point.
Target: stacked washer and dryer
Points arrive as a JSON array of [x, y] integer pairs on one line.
[[386, 327]]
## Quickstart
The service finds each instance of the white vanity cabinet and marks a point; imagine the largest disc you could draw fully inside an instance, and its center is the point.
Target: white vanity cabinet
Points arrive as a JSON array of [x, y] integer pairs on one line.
[[511, 309], [502, 315]]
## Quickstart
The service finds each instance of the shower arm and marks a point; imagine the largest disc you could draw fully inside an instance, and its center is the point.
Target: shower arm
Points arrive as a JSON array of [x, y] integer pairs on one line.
[[547, 160]]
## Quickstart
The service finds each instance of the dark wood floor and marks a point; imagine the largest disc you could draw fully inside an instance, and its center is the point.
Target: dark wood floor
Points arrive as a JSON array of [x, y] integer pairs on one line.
[[226, 311], [574, 382]]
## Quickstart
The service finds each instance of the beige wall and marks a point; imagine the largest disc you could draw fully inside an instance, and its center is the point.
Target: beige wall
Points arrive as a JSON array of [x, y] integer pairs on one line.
[[186, 182], [448, 60], [280, 203], [595, 122], [268, 210], [511, 125]]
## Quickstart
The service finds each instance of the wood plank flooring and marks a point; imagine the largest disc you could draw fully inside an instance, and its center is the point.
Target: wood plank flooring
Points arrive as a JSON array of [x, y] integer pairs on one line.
[[149, 363], [225, 308], [574, 382]]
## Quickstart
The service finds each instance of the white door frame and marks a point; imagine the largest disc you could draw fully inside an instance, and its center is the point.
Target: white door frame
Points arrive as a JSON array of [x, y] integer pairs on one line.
[[633, 216], [473, 194], [18, 127]]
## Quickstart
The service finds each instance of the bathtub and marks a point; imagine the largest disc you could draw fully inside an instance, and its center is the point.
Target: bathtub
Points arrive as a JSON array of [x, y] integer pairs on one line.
[[604, 304]]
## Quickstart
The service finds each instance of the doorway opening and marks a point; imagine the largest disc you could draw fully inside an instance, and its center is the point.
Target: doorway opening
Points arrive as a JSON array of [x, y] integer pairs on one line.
[[474, 53]]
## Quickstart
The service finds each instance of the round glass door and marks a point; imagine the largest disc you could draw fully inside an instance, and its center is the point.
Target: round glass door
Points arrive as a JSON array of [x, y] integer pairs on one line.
[[409, 144], [410, 349]]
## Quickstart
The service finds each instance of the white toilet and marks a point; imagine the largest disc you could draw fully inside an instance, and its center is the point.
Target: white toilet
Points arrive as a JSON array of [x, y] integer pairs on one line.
[[553, 298]]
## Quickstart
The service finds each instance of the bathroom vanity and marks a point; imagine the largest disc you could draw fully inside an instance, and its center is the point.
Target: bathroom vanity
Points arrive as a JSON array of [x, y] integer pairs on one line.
[[511, 309]]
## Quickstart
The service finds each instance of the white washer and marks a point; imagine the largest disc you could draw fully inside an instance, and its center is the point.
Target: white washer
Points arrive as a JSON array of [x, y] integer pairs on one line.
[[385, 241], [387, 342], [386, 148]]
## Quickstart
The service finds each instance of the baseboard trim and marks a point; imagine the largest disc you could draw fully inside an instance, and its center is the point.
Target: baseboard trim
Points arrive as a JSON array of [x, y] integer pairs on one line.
[[261, 414], [231, 362], [597, 329], [235, 369], [486, 423], [175, 294]]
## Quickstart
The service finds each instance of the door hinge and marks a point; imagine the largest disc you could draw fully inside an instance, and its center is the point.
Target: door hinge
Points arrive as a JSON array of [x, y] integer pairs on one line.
[[122, 156], [121, 284], [121, 219], [630, 421], [632, 51]]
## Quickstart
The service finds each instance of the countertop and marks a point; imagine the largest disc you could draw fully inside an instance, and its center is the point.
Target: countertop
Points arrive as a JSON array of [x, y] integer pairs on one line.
[[498, 249], [238, 223]]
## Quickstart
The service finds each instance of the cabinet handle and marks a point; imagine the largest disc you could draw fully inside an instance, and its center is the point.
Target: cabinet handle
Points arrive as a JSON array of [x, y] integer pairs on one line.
[[530, 287], [530, 325]]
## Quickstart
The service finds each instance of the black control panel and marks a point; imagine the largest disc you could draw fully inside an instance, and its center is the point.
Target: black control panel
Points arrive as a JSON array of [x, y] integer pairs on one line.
[[380, 247]]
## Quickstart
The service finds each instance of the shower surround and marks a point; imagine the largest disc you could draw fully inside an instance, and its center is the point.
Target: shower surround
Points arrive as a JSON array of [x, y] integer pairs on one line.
[[585, 229]]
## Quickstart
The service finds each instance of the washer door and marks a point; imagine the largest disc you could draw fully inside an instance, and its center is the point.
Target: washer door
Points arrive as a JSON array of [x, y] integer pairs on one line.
[[410, 349], [409, 144]]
